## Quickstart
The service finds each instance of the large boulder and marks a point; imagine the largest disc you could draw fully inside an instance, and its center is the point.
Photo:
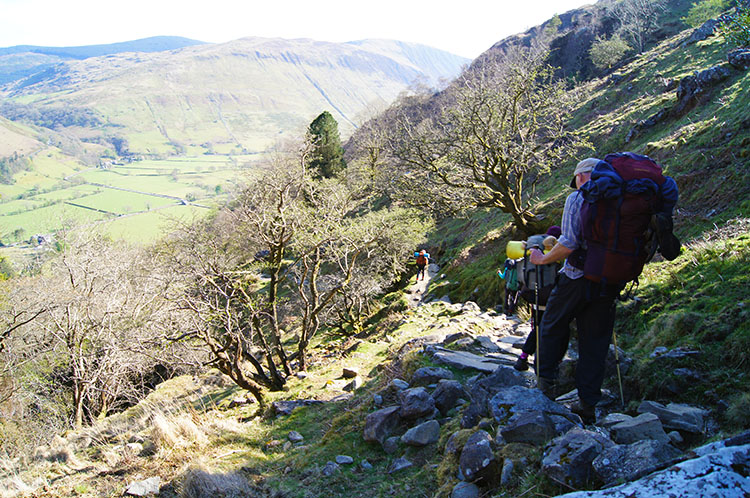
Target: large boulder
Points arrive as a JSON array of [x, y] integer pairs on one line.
[[484, 388], [416, 402], [534, 428], [447, 395], [677, 416], [631, 461], [509, 403], [381, 423], [429, 375], [568, 458], [695, 88], [718, 470], [706, 30], [477, 461], [739, 59], [644, 426], [423, 434]]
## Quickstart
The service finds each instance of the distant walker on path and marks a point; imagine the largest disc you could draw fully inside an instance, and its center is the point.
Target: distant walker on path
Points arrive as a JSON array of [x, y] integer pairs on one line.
[[423, 259]]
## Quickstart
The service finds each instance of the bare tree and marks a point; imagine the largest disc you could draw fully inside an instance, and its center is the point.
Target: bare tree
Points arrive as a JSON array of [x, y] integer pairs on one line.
[[638, 18], [489, 138], [217, 288], [87, 319]]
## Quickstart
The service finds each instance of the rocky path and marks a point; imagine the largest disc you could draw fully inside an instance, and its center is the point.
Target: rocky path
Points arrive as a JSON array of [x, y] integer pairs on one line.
[[498, 406], [419, 289]]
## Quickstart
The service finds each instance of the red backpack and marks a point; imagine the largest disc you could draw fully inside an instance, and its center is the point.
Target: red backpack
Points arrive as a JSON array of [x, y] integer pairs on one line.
[[624, 192]]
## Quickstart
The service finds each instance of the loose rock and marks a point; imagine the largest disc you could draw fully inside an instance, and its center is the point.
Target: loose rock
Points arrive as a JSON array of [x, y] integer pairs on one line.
[[146, 487], [330, 469], [465, 490], [477, 462], [644, 426], [380, 424], [430, 375], [390, 445], [447, 395], [350, 373], [416, 402], [629, 462], [568, 458], [287, 407], [423, 434], [399, 464], [295, 437], [535, 428], [677, 416], [507, 473], [399, 384]]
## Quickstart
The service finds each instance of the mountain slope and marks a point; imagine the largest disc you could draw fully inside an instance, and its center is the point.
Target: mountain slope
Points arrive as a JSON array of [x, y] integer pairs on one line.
[[20, 61], [241, 95]]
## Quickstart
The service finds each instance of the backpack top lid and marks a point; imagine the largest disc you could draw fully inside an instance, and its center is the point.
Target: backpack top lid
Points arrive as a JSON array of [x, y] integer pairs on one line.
[[622, 173], [624, 192], [631, 166]]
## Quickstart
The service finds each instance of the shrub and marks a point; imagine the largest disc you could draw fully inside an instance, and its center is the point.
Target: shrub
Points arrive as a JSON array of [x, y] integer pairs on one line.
[[736, 27], [704, 10], [606, 53], [738, 413]]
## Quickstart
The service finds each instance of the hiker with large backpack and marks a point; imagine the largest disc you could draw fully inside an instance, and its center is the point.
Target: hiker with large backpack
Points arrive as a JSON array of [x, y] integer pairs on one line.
[[423, 259], [604, 239], [535, 285]]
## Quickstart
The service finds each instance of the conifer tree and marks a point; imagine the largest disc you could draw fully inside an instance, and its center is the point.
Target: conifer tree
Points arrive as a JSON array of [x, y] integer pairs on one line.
[[326, 154]]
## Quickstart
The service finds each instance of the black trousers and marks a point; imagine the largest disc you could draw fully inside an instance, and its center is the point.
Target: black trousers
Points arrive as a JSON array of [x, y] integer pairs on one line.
[[593, 307], [529, 347]]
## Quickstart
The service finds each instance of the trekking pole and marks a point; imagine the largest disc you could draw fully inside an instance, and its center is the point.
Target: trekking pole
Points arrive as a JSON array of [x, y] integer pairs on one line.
[[617, 363], [536, 321]]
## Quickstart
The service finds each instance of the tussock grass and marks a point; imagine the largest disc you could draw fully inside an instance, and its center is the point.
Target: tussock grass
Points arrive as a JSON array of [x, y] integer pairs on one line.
[[176, 431], [200, 483]]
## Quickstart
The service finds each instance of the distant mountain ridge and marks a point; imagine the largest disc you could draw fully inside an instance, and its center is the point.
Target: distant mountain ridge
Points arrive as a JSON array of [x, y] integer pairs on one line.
[[21, 61], [229, 97], [151, 44]]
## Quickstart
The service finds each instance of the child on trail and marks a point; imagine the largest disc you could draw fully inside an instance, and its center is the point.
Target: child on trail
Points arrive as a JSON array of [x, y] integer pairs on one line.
[[423, 259]]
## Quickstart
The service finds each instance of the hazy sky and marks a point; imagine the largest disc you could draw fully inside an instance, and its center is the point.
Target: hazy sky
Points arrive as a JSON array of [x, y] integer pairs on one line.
[[463, 27]]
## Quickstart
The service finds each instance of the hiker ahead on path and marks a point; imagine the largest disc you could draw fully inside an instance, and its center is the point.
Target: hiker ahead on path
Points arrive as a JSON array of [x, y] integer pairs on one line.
[[528, 294], [592, 304], [423, 259]]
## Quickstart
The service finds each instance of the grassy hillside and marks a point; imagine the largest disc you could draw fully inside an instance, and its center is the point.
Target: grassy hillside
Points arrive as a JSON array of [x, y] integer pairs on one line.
[[706, 150]]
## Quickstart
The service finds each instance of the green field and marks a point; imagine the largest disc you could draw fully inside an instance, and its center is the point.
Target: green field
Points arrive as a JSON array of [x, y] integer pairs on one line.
[[45, 220], [148, 227], [121, 202], [136, 198]]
